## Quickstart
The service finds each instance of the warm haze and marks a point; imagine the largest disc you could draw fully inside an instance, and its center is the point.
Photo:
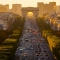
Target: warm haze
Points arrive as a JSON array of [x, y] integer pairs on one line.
[[27, 3], [29, 30]]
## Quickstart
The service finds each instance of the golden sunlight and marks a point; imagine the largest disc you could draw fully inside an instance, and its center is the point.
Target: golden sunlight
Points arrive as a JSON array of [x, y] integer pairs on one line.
[[30, 14]]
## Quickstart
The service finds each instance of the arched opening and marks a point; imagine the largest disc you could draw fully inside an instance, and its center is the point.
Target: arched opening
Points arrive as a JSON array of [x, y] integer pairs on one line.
[[30, 14]]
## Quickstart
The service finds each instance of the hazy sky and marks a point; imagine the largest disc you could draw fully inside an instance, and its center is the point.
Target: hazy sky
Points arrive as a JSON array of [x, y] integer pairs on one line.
[[27, 3]]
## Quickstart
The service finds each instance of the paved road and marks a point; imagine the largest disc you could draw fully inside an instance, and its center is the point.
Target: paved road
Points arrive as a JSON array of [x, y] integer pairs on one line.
[[32, 46]]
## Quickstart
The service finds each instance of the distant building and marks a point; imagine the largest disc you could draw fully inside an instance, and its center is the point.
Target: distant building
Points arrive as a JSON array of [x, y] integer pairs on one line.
[[7, 7], [16, 8], [57, 9], [4, 8], [51, 6], [40, 6], [46, 8]]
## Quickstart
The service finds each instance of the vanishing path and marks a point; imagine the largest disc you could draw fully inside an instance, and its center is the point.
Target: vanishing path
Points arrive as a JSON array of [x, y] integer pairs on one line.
[[32, 46]]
